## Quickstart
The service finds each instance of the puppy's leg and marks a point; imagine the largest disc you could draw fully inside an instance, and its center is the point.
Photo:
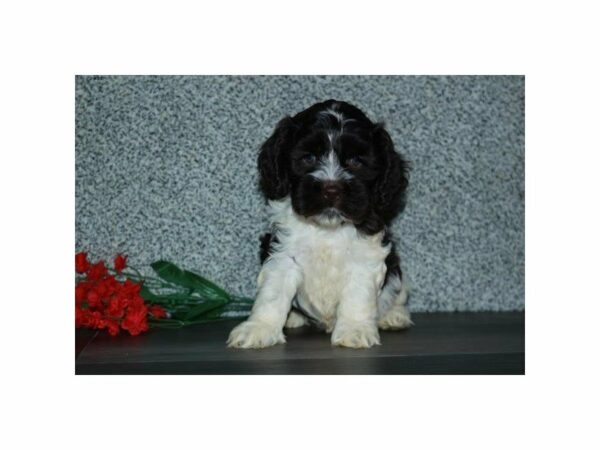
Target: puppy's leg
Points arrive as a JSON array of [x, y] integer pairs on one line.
[[393, 314], [277, 284], [295, 320], [356, 322]]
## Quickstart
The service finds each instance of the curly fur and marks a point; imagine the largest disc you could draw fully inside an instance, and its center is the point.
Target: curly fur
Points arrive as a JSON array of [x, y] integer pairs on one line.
[[334, 182]]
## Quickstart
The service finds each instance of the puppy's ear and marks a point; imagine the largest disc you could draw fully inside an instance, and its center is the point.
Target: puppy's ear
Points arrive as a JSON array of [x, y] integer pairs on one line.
[[273, 163], [390, 188]]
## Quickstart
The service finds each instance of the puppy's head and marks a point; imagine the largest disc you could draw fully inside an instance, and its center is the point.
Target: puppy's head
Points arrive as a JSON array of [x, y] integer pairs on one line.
[[336, 165]]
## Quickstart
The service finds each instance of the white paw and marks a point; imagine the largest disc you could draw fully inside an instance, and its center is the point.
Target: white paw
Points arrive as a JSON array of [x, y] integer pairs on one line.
[[295, 320], [251, 334], [396, 318], [355, 335]]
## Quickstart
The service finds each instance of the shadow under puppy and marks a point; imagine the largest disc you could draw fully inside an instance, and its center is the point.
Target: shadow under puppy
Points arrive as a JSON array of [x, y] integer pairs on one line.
[[334, 183]]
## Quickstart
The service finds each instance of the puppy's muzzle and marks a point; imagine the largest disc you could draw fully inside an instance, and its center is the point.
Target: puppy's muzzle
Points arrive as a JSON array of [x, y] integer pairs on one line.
[[332, 192]]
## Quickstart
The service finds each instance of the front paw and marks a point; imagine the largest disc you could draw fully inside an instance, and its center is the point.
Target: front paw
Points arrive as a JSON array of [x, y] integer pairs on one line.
[[355, 335], [397, 318], [254, 334]]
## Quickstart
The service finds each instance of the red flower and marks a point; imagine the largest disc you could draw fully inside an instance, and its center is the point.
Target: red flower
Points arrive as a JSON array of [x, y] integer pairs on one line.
[[94, 299], [136, 319], [92, 319], [116, 307], [130, 289], [158, 312], [108, 286], [81, 262], [97, 271], [78, 317], [98, 319], [103, 302], [120, 262], [113, 327], [80, 292]]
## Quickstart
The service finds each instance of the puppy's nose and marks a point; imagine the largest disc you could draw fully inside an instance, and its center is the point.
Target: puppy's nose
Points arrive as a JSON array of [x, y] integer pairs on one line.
[[331, 191]]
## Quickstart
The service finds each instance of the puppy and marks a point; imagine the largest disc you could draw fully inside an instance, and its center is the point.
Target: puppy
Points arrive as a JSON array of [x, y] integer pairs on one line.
[[334, 183]]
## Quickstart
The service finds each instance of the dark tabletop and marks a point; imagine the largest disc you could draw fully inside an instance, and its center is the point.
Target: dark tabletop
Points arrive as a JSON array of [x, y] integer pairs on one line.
[[440, 343]]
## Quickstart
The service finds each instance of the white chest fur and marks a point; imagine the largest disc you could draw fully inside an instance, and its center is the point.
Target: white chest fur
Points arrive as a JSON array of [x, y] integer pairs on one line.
[[333, 261]]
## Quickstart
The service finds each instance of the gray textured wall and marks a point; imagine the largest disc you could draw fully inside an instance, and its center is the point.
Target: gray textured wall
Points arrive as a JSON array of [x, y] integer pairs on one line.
[[166, 169]]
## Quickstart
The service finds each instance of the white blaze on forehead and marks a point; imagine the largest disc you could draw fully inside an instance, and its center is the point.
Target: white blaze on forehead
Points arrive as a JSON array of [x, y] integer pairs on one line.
[[330, 169], [334, 131], [341, 120], [338, 115], [332, 135]]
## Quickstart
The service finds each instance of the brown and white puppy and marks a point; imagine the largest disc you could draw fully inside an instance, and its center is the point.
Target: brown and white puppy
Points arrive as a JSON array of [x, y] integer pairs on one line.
[[333, 182]]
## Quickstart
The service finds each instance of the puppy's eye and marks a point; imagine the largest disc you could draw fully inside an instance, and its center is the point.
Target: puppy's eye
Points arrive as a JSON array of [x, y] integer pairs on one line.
[[354, 162], [309, 159]]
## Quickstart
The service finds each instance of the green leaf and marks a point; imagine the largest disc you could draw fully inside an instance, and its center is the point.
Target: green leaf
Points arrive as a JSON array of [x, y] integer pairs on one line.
[[173, 274], [167, 299], [197, 312], [198, 300], [166, 323]]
